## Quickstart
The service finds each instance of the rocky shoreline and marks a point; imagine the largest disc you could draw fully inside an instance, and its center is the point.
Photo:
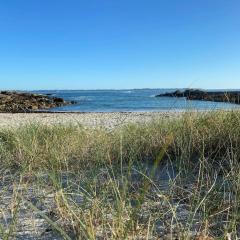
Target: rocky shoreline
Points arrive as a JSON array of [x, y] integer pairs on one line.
[[215, 96], [22, 102]]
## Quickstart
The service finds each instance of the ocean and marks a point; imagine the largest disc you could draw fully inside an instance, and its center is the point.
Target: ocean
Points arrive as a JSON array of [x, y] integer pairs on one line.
[[132, 100]]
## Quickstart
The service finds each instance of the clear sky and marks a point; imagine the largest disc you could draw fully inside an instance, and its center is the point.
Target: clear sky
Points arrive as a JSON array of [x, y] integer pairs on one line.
[[94, 44]]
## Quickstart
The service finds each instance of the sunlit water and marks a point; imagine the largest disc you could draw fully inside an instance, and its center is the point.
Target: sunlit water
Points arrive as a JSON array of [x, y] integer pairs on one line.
[[129, 100]]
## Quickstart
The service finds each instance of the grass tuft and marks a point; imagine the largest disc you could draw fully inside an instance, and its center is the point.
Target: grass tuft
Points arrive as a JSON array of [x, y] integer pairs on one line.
[[175, 178]]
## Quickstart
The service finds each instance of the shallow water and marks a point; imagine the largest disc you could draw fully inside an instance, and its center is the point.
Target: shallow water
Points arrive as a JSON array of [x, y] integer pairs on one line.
[[129, 101]]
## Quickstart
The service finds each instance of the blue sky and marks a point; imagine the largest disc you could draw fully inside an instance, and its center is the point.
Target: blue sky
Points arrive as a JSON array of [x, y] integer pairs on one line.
[[94, 44]]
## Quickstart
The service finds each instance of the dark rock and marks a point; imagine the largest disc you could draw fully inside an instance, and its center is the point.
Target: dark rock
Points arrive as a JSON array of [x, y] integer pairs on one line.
[[58, 100], [215, 96], [27, 102]]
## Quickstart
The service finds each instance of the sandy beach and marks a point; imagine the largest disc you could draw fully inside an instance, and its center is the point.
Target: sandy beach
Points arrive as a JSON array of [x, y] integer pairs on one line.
[[109, 120]]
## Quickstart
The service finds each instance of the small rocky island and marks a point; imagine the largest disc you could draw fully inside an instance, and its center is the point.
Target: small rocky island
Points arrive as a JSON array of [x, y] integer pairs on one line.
[[16, 102], [215, 96]]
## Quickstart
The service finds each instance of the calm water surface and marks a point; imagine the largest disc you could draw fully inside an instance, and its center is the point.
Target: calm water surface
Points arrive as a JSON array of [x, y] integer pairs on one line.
[[129, 100]]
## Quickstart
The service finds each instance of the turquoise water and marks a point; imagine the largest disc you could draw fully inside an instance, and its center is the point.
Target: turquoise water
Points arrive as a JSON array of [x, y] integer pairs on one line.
[[128, 101]]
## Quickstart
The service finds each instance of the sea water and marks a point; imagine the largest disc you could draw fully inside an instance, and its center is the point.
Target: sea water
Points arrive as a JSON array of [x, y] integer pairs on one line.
[[131, 100]]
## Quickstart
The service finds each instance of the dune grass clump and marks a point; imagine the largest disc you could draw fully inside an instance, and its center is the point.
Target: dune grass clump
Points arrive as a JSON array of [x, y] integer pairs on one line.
[[173, 179]]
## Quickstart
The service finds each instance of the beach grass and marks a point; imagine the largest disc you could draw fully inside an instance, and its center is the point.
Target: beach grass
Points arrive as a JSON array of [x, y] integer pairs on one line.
[[173, 178]]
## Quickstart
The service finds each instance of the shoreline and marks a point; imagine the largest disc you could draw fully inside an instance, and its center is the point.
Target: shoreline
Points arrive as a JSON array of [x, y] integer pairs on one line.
[[127, 112], [87, 119], [108, 120]]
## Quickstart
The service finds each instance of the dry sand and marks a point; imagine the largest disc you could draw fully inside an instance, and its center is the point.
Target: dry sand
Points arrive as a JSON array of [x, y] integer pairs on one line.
[[109, 120]]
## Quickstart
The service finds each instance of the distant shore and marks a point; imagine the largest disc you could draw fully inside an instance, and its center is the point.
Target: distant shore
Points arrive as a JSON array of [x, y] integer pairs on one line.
[[213, 96]]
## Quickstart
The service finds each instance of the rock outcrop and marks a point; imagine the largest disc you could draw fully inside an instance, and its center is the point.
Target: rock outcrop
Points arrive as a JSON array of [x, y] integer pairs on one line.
[[16, 102], [215, 96]]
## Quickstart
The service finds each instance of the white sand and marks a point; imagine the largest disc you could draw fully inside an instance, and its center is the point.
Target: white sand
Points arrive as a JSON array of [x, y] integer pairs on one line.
[[109, 120]]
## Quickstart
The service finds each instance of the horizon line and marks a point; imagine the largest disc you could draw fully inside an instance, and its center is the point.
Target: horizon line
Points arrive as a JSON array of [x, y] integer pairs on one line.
[[115, 89]]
